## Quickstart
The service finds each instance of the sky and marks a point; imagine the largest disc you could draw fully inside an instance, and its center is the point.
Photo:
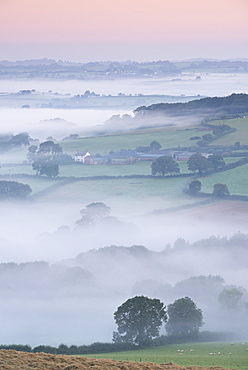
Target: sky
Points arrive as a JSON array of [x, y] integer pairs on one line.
[[142, 30]]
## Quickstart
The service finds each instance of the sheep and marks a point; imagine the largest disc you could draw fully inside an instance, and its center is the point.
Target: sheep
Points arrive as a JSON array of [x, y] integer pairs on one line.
[[230, 353], [218, 353], [191, 350], [212, 353]]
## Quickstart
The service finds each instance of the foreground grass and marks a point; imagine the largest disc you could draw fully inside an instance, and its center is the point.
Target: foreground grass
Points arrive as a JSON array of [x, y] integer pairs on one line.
[[199, 357]]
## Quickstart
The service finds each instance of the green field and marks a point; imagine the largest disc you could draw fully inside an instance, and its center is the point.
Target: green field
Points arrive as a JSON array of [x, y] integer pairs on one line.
[[137, 196], [235, 179], [169, 138], [199, 357], [240, 135]]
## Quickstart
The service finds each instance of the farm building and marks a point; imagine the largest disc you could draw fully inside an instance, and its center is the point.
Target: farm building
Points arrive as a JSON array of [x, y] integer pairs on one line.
[[131, 156], [81, 156], [119, 158]]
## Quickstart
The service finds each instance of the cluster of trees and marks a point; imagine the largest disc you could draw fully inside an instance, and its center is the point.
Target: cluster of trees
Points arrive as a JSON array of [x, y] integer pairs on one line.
[[202, 164], [165, 165], [14, 190], [218, 131], [8, 142], [233, 105], [93, 213], [140, 318], [219, 190], [154, 145], [197, 162], [45, 158]]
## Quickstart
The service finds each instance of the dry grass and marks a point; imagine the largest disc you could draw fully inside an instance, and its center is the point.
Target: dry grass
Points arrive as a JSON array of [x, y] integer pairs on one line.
[[10, 360]]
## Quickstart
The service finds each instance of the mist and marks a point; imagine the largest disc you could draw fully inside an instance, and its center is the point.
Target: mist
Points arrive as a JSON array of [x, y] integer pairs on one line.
[[62, 282]]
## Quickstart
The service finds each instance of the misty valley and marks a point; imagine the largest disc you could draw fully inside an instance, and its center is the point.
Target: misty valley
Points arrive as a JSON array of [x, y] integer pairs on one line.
[[120, 181]]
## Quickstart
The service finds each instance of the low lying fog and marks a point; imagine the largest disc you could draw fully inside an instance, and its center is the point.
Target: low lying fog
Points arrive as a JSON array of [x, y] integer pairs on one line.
[[216, 84], [70, 296]]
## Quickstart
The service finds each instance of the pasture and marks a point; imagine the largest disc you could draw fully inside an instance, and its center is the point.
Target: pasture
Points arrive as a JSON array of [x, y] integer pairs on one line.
[[180, 354], [125, 195], [240, 135], [235, 179], [170, 137]]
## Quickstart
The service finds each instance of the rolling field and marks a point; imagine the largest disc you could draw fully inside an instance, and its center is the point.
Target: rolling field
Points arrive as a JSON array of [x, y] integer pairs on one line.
[[240, 135], [171, 137], [235, 179], [125, 195], [200, 356]]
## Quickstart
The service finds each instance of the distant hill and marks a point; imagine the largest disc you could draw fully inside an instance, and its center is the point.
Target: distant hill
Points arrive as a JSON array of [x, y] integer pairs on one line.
[[235, 105]]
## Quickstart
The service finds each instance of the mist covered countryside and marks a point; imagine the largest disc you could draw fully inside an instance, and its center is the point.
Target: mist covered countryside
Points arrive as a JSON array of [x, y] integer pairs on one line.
[[61, 282]]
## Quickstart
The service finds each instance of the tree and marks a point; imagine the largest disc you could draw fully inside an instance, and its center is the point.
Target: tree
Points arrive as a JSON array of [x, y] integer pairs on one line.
[[93, 213], [46, 167], [194, 186], [220, 190], [20, 139], [164, 165], [217, 161], [230, 298], [155, 145], [49, 148], [198, 162], [139, 320], [14, 189], [185, 318], [32, 153], [208, 137]]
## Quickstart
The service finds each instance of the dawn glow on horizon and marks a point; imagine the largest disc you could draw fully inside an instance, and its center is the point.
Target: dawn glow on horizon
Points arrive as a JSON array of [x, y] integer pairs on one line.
[[141, 29]]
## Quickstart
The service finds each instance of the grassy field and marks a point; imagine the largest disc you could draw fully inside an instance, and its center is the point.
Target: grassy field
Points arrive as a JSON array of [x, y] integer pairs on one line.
[[171, 137], [137, 196], [199, 357], [235, 179], [240, 135], [80, 170]]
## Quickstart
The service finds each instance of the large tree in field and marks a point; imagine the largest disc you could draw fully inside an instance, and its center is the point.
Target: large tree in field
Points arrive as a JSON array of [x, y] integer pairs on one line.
[[217, 161], [220, 190], [164, 165], [139, 320], [185, 318], [47, 167], [198, 162]]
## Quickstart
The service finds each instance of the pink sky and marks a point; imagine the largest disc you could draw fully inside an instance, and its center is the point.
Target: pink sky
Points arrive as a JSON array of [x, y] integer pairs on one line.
[[123, 29]]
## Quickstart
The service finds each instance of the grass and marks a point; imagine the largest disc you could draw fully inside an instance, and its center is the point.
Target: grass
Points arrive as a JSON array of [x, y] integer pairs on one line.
[[134, 196], [169, 138], [199, 357], [240, 135], [235, 179]]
